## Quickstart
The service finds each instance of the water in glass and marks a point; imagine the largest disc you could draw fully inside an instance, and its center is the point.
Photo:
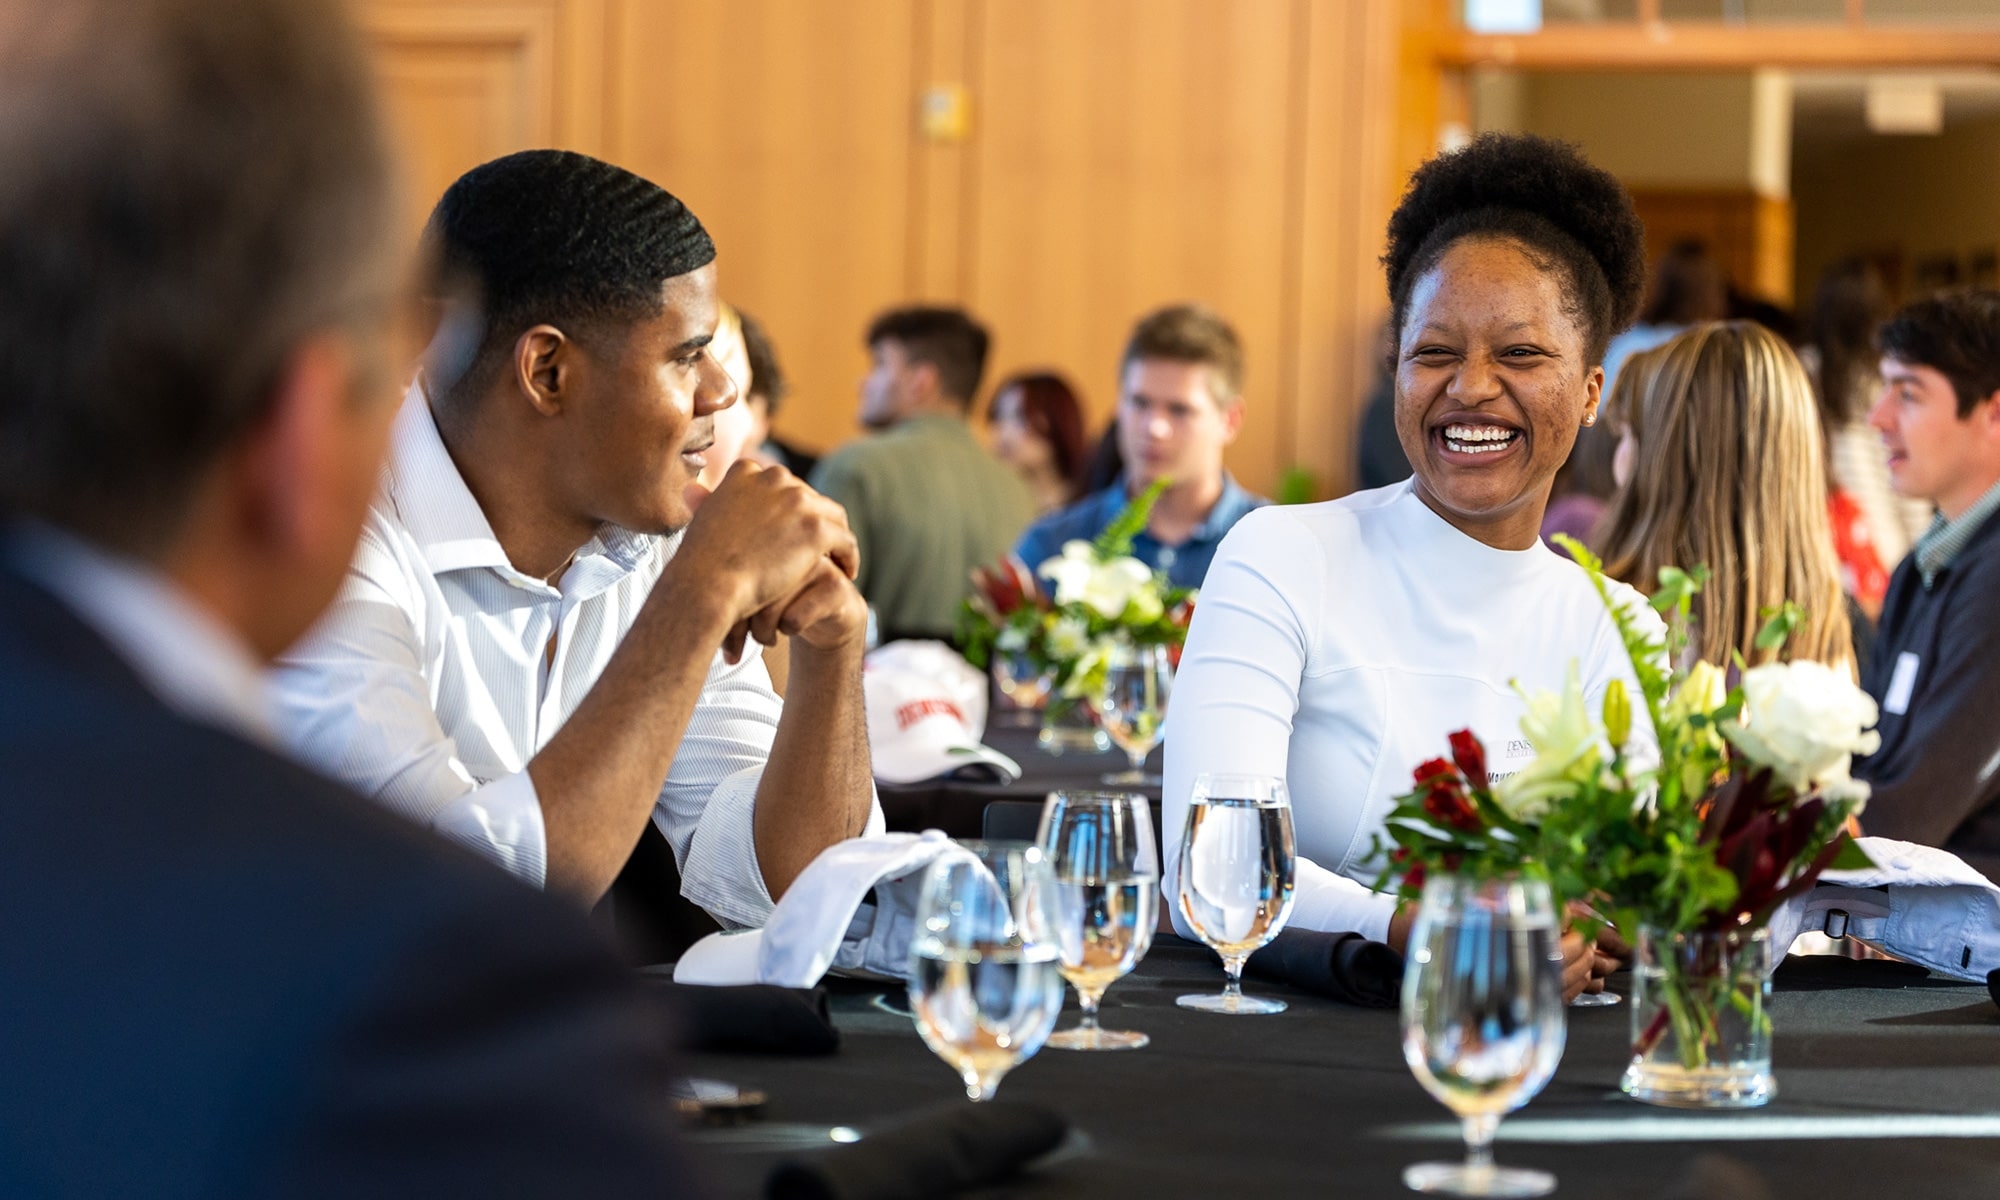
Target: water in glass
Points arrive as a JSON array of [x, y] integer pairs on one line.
[[985, 968], [1483, 1019], [1237, 860], [1134, 707], [1105, 905]]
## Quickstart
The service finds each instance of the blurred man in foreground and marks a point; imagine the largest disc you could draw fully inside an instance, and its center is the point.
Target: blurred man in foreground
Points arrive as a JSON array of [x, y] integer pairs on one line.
[[1936, 666], [225, 975]]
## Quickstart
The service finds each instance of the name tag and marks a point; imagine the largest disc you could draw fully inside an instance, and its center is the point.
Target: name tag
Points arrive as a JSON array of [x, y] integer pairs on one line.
[[1901, 684]]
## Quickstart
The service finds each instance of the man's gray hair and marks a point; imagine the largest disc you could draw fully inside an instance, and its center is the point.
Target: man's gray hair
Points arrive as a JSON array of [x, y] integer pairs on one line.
[[188, 188]]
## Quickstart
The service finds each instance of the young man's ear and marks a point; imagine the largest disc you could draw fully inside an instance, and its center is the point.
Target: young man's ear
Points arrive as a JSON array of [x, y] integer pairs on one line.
[[542, 368], [1232, 421]]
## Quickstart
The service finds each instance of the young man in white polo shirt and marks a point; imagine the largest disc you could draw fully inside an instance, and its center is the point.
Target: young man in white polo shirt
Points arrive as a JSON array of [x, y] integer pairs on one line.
[[538, 648], [1936, 664]]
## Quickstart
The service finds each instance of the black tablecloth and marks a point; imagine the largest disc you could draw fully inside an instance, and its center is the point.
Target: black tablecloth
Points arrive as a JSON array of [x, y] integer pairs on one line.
[[1317, 1101], [956, 806]]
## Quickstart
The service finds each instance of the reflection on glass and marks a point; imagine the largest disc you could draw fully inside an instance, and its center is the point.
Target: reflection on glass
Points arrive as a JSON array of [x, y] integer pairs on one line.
[[985, 976], [1106, 864], [1237, 860], [1023, 685], [1136, 685], [1483, 1019]]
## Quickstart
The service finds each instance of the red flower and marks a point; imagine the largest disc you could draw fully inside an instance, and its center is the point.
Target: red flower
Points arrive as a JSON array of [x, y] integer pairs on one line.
[[1451, 806], [1470, 757], [1433, 772], [1412, 871], [1007, 585]]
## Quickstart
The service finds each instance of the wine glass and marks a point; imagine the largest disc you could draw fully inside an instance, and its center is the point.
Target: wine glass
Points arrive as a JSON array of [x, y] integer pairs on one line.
[[1134, 706], [1236, 865], [985, 977], [1025, 686], [1105, 903], [1483, 1019]]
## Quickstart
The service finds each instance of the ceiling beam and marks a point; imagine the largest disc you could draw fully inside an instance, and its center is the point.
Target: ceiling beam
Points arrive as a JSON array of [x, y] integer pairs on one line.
[[1714, 46]]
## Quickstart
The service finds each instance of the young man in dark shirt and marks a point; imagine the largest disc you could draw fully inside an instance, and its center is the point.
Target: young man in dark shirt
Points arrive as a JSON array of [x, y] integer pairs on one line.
[[1936, 666]]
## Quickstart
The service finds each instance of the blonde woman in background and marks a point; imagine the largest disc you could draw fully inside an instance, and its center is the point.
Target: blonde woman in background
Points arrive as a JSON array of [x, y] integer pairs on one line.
[[1720, 463], [736, 435]]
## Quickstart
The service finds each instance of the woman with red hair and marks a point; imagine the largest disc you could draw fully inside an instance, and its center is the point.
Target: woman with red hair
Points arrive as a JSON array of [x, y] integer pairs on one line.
[[1037, 428]]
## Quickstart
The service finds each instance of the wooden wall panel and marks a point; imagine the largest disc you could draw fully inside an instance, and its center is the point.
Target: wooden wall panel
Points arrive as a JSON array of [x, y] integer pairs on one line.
[[1133, 153], [469, 80], [1122, 154], [1356, 152], [1749, 235], [789, 128]]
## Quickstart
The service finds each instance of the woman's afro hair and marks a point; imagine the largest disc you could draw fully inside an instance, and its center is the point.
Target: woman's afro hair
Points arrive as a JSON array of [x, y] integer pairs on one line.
[[1568, 213]]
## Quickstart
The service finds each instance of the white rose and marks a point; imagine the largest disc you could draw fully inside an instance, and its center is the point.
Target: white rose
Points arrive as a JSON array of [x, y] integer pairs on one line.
[[1070, 571], [1146, 604], [1115, 584], [1068, 637], [1568, 746], [1805, 721]]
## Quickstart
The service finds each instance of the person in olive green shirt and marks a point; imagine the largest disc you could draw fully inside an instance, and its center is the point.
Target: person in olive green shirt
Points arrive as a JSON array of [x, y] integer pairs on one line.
[[926, 502]]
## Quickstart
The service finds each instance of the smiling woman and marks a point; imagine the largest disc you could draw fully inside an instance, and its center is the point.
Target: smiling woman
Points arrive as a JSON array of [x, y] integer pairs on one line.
[[1338, 644]]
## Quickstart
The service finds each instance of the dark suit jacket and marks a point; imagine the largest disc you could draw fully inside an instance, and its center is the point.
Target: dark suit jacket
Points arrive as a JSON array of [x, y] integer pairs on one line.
[[223, 975]]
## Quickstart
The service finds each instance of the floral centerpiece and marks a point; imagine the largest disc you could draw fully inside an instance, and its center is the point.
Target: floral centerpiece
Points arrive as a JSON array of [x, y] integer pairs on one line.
[[1686, 841], [1097, 596]]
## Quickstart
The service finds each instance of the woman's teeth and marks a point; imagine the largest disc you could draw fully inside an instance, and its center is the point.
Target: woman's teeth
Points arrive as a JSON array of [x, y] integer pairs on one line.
[[1478, 439]]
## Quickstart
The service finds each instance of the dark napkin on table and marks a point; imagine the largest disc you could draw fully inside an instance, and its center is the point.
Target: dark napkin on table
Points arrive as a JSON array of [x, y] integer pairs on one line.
[[968, 1146], [755, 1018], [1340, 966]]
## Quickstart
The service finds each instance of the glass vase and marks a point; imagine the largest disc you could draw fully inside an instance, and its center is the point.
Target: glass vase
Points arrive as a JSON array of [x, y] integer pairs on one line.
[[1701, 1022], [1069, 727]]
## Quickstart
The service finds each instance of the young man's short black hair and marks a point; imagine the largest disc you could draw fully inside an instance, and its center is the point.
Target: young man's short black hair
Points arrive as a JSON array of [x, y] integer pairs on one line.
[[946, 338], [767, 378], [1574, 218], [558, 238], [1956, 334]]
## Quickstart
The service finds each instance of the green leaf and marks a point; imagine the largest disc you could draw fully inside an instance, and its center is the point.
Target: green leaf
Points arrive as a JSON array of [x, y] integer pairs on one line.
[[1851, 857], [1116, 540], [1778, 625]]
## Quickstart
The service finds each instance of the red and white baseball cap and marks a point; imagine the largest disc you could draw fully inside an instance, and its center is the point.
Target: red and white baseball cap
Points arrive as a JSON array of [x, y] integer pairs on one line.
[[926, 714]]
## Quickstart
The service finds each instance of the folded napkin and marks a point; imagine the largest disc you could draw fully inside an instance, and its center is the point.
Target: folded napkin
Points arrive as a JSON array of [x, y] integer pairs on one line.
[[1340, 966], [751, 1019], [965, 1147]]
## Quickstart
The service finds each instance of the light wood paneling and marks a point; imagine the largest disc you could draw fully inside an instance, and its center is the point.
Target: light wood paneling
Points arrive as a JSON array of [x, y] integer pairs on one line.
[[1748, 234], [1351, 141], [1121, 155], [1134, 153], [470, 80], [789, 128]]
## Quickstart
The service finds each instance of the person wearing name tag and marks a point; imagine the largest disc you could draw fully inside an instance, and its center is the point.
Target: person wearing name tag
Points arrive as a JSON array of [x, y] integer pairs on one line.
[[1936, 666], [1337, 645]]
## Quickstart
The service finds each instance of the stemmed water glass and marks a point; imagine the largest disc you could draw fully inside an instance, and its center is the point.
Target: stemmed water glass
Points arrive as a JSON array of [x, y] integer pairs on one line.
[[985, 981], [1024, 685], [1106, 900], [1483, 1019], [1134, 705], [1236, 866]]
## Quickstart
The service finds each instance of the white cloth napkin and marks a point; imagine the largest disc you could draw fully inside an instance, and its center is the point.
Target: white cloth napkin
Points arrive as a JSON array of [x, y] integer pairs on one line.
[[825, 921]]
